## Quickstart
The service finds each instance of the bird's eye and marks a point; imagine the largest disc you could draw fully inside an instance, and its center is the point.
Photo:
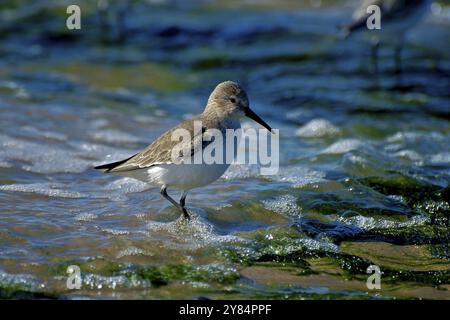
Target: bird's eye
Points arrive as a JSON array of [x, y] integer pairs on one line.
[[233, 100]]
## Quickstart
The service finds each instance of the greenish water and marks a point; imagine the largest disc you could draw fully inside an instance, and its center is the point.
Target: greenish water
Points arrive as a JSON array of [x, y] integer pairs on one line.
[[365, 158]]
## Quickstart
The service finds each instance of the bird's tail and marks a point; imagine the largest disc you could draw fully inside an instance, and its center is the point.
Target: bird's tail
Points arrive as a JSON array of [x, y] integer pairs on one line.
[[110, 166]]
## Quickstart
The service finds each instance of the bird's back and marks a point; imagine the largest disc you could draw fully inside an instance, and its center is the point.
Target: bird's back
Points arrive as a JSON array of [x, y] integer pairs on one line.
[[160, 151]]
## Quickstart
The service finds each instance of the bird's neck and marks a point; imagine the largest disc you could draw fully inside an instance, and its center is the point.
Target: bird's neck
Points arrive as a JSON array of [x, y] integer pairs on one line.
[[220, 117]]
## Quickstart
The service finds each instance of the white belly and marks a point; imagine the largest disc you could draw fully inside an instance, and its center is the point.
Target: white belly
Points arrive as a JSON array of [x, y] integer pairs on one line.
[[186, 176], [179, 176]]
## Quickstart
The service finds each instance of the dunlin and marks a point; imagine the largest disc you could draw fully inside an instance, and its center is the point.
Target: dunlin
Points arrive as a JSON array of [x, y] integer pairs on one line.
[[398, 17], [226, 106]]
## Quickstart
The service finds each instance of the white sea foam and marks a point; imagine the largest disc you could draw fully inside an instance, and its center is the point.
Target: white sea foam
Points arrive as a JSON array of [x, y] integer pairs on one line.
[[440, 158], [241, 171], [127, 185], [41, 158], [409, 155], [397, 197], [319, 245], [370, 223], [114, 136], [285, 204], [98, 123], [85, 217], [43, 133], [5, 164], [104, 153], [411, 137], [317, 128], [356, 159], [119, 189], [95, 281], [146, 119], [299, 176], [195, 234], [116, 232], [47, 189], [343, 146], [130, 251], [24, 281], [308, 244]]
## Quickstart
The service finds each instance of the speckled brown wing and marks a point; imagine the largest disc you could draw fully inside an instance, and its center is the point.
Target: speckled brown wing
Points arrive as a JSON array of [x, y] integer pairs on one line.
[[160, 151]]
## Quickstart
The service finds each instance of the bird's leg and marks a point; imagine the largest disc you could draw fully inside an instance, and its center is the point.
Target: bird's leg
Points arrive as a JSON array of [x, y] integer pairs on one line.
[[375, 49], [398, 58], [165, 195], [176, 204], [182, 204]]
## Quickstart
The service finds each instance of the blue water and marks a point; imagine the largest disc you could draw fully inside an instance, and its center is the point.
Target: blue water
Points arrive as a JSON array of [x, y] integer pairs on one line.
[[364, 157]]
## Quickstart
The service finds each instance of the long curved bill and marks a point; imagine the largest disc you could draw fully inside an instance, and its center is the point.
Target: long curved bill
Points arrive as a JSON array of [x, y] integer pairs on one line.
[[249, 113]]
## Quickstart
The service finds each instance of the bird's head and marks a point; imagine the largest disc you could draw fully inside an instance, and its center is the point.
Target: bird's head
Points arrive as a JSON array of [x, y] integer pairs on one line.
[[231, 100]]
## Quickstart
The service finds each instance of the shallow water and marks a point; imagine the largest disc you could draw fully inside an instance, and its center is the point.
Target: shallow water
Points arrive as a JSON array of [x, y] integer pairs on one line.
[[365, 159]]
